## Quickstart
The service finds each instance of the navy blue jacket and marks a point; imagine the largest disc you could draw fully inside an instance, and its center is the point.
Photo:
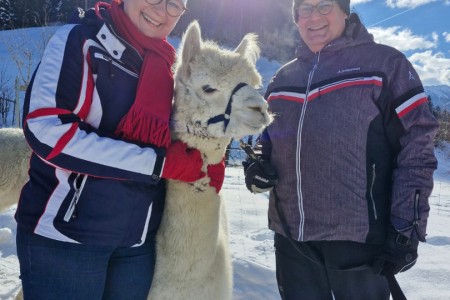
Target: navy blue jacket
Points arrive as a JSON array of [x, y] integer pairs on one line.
[[86, 185]]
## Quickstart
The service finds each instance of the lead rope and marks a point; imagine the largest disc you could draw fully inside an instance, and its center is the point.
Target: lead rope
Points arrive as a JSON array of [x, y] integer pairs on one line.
[[394, 287]]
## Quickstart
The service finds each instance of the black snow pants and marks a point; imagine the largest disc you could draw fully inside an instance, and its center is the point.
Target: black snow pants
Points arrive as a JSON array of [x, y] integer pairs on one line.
[[326, 270]]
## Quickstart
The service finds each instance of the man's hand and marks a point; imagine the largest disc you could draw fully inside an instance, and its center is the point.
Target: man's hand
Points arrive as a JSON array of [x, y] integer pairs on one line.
[[400, 254], [260, 176]]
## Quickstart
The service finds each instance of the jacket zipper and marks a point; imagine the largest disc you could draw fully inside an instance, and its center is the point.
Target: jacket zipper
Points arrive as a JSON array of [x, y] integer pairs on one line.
[[375, 214], [70, 214], [416, 206], [416, 220], [415, 224], [111, 61], [299, 146]]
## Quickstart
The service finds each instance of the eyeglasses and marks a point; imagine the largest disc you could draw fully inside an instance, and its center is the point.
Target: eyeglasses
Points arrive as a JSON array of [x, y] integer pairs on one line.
[[174, 8], [323, 8]]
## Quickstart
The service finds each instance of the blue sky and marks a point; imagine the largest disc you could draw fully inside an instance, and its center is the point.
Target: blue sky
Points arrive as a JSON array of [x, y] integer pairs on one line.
[[418, 28]]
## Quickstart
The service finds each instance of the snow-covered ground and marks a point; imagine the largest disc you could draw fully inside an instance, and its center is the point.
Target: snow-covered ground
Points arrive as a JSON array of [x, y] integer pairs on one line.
[[252, 244]]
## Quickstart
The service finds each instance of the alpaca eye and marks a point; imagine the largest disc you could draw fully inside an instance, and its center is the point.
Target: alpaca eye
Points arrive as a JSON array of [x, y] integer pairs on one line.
[[208, 89]]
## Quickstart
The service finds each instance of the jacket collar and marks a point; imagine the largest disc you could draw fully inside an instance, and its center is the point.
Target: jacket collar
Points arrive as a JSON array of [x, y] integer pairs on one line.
[[116, 46], [111, 42]]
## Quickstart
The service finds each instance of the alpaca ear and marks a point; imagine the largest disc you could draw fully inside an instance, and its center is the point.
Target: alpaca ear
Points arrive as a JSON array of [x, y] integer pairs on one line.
[[249, 47], [190, 45]]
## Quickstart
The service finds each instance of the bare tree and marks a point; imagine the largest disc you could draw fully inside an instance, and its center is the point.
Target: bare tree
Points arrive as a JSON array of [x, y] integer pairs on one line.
[[25, 54], [6, 98]]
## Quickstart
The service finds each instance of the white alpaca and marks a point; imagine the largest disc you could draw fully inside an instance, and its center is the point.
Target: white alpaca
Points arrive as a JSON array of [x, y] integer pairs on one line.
[[14, 162], [193, 259], [192, 251]]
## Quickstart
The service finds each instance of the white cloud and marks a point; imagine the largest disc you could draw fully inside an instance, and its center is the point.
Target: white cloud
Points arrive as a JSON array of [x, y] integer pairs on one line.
[[433, 68], [446, 36], [408, 3], [435, 38], [403, 39], [355, 2]]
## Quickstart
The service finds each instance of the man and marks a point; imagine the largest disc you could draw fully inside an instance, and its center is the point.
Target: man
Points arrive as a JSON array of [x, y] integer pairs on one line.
[[352, 145]]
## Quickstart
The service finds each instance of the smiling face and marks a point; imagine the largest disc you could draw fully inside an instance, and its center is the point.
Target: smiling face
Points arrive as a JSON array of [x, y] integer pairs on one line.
[[319, 30], [152, 20]]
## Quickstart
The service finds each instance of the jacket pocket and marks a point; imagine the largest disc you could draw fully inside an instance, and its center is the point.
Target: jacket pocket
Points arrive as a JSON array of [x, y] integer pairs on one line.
[[372, 199], [114, 64], [78, 186]]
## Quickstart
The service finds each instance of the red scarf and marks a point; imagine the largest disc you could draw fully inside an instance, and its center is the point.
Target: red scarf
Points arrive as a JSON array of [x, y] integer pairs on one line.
[[147, 121]]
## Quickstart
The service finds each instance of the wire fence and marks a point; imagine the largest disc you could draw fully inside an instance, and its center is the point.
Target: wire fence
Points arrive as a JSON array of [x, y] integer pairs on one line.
[[234, 154], [440, 198]]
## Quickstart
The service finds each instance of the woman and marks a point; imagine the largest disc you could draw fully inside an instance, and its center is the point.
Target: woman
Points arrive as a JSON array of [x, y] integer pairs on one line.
[[353, 149], [96, 117]]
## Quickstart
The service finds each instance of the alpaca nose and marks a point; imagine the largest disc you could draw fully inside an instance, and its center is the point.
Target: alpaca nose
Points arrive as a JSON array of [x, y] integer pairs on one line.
[[256, 108], [260, 105], [262, 110]]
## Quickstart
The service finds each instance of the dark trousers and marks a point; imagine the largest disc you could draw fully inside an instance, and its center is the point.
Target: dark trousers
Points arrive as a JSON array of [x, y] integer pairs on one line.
[[327, 269], [54, 270]]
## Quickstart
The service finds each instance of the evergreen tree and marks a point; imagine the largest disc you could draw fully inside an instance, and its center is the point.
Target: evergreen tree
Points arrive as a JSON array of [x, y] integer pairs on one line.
[[44, 12], [224, 21], [227, 21], [6, 14]]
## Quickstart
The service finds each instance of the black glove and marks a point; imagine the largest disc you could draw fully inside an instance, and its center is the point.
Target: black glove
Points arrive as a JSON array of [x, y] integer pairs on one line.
[[400, 254], [260, 176]]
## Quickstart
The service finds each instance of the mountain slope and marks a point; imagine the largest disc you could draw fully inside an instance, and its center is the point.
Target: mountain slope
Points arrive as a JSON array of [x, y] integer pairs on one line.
[[440, 95]]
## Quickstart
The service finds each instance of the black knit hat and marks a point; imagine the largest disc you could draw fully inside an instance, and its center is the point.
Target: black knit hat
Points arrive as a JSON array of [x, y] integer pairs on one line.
[[344, 5]]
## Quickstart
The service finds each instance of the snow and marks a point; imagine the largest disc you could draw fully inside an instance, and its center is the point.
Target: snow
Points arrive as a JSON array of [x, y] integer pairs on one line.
[[440, 95], [252, 243], [250, 240]]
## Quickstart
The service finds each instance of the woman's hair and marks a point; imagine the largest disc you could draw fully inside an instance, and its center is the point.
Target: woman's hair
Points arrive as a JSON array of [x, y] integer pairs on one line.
[[343, 4]]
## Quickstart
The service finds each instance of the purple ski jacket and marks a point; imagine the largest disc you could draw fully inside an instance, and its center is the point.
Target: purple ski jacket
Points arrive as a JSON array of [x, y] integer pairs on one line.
[[352, 142]]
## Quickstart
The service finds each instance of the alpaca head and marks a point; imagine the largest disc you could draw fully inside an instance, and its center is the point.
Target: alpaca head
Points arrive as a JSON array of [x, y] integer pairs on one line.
[[208, 79]]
